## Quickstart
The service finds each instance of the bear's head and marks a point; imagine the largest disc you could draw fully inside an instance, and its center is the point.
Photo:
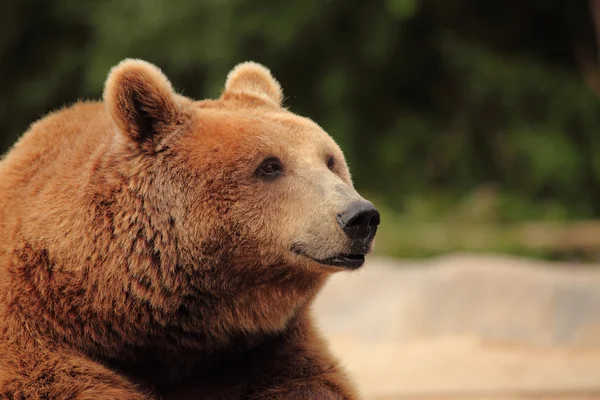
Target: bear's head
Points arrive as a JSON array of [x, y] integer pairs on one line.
[[246, 187]]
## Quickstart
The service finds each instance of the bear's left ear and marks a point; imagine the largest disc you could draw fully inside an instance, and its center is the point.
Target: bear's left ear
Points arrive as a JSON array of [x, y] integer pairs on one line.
[[256, 80], [141, 101]]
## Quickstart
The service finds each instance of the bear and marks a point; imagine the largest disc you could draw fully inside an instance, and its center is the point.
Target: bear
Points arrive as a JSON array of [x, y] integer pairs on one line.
[[157, 247]]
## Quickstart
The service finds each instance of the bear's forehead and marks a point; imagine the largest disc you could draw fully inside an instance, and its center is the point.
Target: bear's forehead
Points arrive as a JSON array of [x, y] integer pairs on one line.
[[260, 131]]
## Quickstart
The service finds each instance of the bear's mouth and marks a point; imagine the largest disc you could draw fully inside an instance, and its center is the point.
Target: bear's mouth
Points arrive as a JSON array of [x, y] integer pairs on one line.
[[349, 261]]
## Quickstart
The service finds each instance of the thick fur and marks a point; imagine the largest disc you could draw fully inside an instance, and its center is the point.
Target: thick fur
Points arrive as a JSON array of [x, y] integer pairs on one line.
[[141, 257]]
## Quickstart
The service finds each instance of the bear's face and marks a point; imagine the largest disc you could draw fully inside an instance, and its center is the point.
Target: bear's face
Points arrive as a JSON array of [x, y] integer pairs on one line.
[[244, 182]]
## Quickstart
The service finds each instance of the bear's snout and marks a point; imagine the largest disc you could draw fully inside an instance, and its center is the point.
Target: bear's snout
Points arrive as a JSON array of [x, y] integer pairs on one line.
[[359, 221]]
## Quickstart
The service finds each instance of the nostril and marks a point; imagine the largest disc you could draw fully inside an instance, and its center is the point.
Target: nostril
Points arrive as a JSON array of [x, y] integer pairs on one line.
[[359, 220], [375, 219]]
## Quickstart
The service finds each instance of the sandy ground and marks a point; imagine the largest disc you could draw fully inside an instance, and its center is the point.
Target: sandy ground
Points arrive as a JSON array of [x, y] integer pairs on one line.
[[466, 326]]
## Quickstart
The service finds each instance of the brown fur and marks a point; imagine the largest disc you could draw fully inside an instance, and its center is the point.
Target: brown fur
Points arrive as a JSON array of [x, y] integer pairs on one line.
[[140, 257]]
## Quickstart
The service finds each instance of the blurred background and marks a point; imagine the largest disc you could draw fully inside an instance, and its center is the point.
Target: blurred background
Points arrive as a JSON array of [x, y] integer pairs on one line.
[[466, 120], [473, 125]]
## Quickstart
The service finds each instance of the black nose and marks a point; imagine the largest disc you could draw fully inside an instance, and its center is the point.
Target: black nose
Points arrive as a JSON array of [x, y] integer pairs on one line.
[[360, 220]]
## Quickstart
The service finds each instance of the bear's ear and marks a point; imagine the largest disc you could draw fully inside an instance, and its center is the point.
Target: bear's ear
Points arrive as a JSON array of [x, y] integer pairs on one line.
[[254, 79], [141, 101]]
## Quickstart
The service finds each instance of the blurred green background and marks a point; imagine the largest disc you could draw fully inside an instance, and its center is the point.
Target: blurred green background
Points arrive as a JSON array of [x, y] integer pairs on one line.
[[474, 125]]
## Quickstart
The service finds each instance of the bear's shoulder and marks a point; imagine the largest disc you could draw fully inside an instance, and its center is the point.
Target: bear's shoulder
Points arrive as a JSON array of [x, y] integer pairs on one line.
[[77, 118], [72, 130]]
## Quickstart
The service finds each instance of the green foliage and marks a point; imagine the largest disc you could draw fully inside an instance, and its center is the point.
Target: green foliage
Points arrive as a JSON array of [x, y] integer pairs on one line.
[[429, 99]]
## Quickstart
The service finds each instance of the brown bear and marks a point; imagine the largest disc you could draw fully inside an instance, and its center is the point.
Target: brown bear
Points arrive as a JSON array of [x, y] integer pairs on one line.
[[156, 247]]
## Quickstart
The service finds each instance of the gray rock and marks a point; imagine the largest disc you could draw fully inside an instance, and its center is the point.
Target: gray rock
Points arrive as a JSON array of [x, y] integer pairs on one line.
[[466, 326]]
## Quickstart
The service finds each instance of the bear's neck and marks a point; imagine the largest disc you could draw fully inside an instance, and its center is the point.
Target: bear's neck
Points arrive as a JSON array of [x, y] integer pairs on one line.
[[157, 369]]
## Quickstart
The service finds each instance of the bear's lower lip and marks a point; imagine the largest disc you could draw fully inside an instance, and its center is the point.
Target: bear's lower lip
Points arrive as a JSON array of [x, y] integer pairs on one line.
[[349, 261]]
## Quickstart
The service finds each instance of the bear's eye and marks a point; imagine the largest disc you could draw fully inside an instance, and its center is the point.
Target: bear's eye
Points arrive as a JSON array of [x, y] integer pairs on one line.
[[270, 168], [331, 163]]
